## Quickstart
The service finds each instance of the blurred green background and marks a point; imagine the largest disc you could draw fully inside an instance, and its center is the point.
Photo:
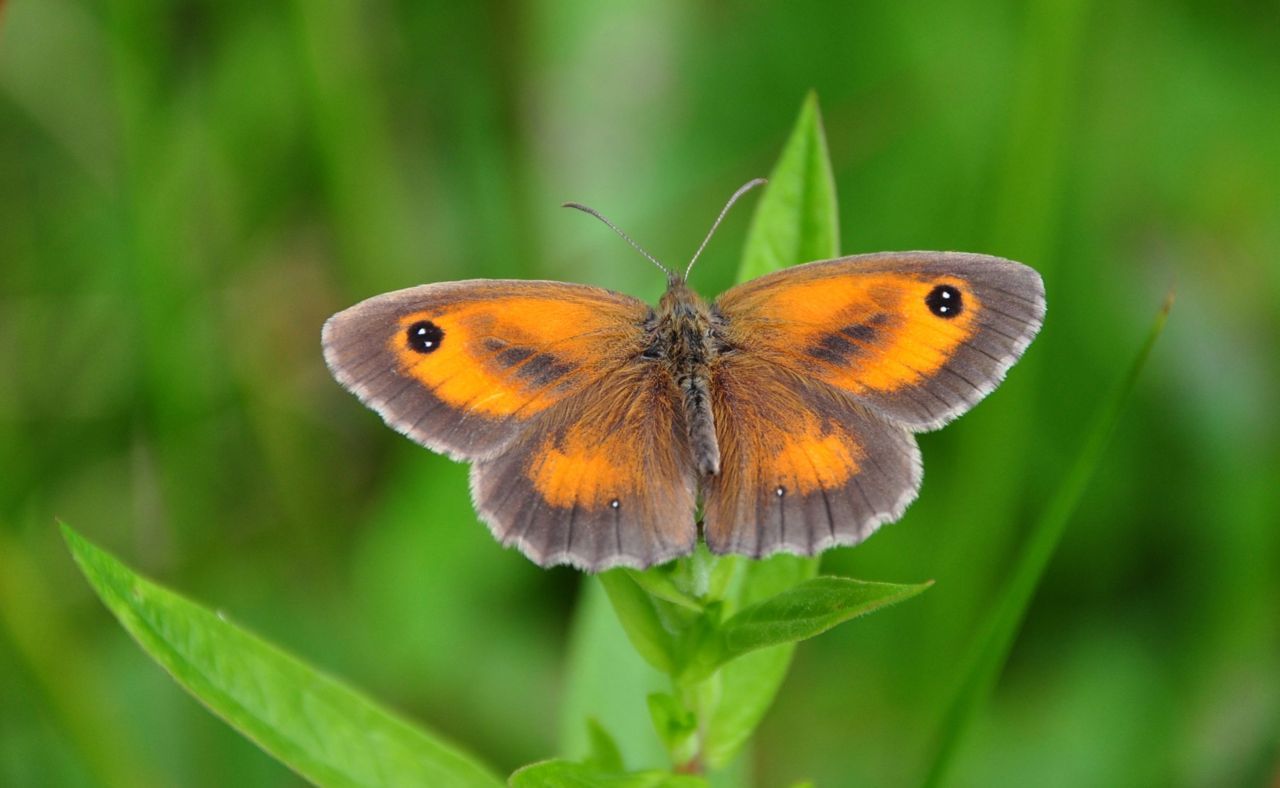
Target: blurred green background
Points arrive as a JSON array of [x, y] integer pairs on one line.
[[188, 189]]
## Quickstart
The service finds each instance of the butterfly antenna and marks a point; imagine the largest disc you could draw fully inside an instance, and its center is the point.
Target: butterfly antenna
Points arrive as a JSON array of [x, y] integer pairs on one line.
[[625, 237], [743, 189]]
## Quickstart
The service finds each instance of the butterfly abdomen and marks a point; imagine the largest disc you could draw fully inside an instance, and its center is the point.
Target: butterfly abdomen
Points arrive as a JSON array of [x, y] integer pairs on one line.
[[702, 426], [685, 321]]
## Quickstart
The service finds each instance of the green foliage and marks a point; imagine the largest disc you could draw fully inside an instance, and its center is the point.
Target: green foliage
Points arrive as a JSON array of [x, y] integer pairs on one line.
[[690, 620], [605, 754], [723, 629], [1006, 616], [805, 611], [566, 774], [641, 616], [796, 220], [317, 726], [187, 190]]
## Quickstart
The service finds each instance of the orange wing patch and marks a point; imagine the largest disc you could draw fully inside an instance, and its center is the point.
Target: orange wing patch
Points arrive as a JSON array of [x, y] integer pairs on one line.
[[514, 355], [463, 367], [604, 478], [920, 337], [803, 467], [812, 457], [869, 333], [586, 468]]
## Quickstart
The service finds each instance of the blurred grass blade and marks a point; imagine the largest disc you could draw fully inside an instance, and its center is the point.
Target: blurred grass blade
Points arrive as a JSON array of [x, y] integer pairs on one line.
[[795, 220], [320, 728], [60, 659], [807, 610], [992, 649], [567, 774]]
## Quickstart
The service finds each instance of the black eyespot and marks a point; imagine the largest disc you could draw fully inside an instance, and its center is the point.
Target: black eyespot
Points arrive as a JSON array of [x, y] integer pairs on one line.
[[944, 301], [424, 336]]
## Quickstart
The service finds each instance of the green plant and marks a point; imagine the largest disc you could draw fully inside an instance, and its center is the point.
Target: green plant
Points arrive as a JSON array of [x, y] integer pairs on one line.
[[719, 632]]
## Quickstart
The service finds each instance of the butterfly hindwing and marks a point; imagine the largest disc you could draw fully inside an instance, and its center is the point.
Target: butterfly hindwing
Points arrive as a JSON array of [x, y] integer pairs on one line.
[[803, 466], [920, 337], [602, 479]]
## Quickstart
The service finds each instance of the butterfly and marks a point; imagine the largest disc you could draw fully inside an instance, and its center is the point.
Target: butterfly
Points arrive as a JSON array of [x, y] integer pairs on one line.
[[784, 411]]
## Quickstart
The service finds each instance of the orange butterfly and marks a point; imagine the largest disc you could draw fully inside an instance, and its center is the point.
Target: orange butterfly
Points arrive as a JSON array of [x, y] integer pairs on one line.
[[596, 423]]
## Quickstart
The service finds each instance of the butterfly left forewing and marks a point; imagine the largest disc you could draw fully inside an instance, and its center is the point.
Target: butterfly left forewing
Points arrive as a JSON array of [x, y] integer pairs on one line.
[[464, 367]]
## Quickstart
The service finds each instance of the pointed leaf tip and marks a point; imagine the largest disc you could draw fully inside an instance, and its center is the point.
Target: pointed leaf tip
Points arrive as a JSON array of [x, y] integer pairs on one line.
[[795, 220]]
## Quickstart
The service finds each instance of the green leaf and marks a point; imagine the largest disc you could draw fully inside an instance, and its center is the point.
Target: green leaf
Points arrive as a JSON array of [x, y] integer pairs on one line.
[[806, 610], [748, 686], [985, 663], [640, 619], [768, 577], [325, 731], [567, 774], [676, 725], [795, 220], [657, 581], [756, 667], [604, 750], [608, 680]]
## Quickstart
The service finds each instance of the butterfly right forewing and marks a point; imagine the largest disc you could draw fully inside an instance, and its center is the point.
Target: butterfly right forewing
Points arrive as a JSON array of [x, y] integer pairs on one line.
[[828, 368], [919, 337]]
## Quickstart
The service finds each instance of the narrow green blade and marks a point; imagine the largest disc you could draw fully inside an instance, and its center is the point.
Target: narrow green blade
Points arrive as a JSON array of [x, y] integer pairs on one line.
[[992, 649]]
